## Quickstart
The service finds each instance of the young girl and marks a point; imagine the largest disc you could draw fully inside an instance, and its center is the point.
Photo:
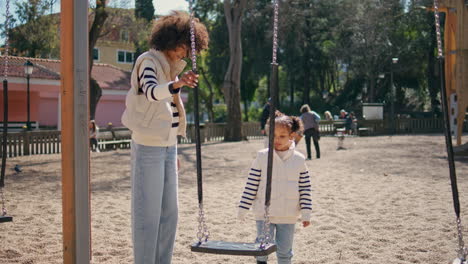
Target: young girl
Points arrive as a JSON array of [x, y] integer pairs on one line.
[[93, 131], [290, 189]]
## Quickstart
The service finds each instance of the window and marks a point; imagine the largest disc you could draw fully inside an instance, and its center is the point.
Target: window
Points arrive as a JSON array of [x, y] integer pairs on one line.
[[96, 54], [124, 35], [125, 56]]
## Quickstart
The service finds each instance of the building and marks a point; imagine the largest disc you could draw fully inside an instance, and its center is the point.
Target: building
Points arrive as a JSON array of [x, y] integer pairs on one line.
[[116, 45], [45, 92]]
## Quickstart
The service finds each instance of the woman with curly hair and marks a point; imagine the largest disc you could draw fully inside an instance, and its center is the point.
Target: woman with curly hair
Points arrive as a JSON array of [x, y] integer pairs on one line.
[[155, 114]]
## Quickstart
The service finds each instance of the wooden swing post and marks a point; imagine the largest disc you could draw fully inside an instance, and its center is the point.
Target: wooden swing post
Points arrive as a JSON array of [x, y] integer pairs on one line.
[[75, 116]]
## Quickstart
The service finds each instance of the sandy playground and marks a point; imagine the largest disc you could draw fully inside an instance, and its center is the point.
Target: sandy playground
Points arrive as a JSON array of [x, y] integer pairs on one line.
[[382, 200]]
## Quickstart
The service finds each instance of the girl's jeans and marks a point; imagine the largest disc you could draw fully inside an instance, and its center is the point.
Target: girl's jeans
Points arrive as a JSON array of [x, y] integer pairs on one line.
[[154, 203], [283, 239]]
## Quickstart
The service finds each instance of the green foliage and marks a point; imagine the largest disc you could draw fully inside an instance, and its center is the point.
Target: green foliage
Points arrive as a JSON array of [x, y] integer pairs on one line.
[[220, 113], [255, 112], [144, 9], [33, 33]]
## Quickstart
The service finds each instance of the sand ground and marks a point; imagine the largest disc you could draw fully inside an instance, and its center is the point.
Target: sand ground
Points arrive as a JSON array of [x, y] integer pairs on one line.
[[382, 200]]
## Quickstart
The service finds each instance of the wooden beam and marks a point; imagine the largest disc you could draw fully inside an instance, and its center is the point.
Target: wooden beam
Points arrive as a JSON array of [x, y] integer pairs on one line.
[[74, 123]]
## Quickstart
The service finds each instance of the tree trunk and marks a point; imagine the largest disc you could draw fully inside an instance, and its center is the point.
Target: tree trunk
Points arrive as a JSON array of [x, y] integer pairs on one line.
[[95, 91], [233, 12], [291, 92], [246, 110], [371, 90], [305, 97], [209, 97]]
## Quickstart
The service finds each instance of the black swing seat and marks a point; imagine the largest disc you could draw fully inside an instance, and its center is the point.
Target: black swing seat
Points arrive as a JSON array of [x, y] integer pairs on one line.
[[233, 248], [5, 218]]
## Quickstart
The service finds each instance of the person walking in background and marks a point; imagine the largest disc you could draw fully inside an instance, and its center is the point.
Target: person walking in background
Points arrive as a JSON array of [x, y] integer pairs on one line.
[[265, 116], [311, 119], [93, 133], [351, 124], [155, 114]]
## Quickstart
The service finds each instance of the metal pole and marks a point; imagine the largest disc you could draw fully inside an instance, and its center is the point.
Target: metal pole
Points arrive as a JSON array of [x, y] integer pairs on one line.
[[271, 132], [392, 105], [28, 122], [4, 134]]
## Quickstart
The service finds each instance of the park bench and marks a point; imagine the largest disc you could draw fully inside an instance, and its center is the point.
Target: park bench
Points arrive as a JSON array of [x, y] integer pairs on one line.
[[114, 138], [19, 126], [364, 131]]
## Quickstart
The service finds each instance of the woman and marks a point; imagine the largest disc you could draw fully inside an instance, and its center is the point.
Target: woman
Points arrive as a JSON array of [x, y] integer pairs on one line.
[[155, 115], [311, 119], [93, 133]]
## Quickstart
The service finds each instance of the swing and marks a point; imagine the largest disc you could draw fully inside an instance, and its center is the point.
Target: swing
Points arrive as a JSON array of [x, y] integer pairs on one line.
[[462, 250], [3, 214], [264, 246]]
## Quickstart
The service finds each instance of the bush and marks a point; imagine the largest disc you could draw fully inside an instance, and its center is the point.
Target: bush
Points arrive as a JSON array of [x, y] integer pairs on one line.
[[220, 113]]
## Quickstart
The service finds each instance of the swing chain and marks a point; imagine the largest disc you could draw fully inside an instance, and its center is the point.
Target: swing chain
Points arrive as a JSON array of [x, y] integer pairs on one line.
[[462, 250], [275, 32], [203, 233], [192, 38], [2, 197], [7, 44], [438, 30], [265, 238]]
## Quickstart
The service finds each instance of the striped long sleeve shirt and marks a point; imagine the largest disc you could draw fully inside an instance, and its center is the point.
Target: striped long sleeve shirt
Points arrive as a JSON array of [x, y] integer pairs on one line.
[[154, 91], [149, 84]]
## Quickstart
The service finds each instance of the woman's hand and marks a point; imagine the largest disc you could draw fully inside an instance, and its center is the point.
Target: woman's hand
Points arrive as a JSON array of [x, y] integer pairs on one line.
[[189, 79]]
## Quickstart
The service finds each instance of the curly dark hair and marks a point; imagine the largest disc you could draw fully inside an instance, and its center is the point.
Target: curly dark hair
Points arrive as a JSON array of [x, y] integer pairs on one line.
[[173, 30], [293, 123]]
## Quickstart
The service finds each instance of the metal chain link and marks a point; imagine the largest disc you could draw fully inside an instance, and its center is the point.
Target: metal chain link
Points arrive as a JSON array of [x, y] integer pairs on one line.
[[462, 250], [192, 38], [4, 210], [203, 234], [7, 49], [275, 32], [438, 31], [7, 39], [265, 238]]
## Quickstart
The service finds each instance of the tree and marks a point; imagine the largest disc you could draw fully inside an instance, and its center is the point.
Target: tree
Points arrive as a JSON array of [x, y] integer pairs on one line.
[[36, 34], [144, 9], [144, 14], [233, 11], [100, 16]]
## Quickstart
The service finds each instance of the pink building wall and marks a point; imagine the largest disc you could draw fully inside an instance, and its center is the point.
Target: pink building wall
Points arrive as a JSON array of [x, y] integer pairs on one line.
[[17, 103], [44, 103], [110, 109]]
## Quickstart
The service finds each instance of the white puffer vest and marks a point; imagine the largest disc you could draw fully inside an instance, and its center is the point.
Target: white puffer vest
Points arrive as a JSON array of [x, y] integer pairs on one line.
[[153, 120]]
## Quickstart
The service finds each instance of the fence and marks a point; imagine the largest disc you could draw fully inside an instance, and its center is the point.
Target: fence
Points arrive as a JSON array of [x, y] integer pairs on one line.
[[48, 142], [32, 143]]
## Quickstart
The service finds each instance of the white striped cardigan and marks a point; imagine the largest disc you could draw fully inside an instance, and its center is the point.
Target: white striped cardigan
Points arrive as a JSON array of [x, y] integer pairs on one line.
[[154, 110], [290, 189]]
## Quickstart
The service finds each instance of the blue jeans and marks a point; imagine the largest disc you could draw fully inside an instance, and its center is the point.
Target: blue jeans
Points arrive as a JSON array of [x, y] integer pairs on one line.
[[283, 239], [154, 203]]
